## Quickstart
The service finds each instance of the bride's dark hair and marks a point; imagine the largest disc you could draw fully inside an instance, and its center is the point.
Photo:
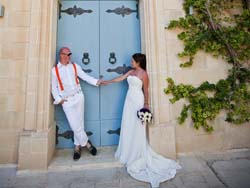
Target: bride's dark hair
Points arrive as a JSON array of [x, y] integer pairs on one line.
[[141, 59]]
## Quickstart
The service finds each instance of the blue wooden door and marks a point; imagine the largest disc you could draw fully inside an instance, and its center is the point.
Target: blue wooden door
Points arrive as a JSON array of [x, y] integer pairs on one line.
[[102, 36], [119, 39]]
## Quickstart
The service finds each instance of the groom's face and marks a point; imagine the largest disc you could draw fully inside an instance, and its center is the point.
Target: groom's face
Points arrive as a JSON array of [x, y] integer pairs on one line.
[[65, 55]]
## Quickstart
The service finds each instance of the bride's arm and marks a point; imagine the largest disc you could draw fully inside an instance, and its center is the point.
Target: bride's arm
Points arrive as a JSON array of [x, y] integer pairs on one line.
[[118, 79], [145, 89]]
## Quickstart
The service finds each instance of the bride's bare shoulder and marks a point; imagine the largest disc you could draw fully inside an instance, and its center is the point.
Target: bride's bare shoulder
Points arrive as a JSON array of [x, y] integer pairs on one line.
[[130, 72], [145, 74]]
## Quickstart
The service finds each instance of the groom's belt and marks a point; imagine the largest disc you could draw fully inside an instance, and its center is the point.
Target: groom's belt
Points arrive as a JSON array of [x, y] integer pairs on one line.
[[72, 95]]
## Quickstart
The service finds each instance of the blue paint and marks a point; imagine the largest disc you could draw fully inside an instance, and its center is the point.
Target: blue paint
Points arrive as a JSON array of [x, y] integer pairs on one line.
[[99, 33]]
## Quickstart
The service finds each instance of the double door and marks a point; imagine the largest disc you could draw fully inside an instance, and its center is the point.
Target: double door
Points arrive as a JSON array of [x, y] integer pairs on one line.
[[102, 35]]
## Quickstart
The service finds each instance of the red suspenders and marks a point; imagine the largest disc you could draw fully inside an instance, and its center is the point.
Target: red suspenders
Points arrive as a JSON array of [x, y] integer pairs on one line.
[[77, 81], [59, 79]]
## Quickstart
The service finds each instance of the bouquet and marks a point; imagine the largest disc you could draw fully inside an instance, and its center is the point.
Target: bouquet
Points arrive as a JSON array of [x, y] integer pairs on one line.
[[145, 115]]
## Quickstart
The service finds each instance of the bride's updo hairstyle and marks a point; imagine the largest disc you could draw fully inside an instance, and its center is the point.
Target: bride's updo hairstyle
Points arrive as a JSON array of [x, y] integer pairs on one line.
[[141, 59]]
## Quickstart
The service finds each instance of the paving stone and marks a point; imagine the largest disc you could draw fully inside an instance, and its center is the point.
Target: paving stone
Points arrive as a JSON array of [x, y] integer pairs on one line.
[[237, 182], [81, 185], [196, 185], [135, 186], [212, 180], [109, 184], [167, 184], [229, 173], [7, 173], [17, 186], [234, 173], [233, 178], [122, 173], [236, 164], [65, 178], [234, 154], [101, 175], [221, 171], [193, 178], [37, 181], [192, 164], [81, 182], [5, 182], [177, 182], [130, 181], [58, 186], [222, 165]]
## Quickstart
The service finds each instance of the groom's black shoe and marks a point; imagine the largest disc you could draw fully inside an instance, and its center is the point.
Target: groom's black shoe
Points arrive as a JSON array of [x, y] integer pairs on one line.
[[77, 154], [92, 148]]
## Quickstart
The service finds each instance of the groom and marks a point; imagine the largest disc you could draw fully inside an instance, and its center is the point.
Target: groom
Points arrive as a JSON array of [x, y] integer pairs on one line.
[[66, 90]]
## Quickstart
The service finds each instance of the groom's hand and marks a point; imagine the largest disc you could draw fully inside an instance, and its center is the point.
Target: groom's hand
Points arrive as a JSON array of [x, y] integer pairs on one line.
[[62, 101], [102, 82], [98, 82]]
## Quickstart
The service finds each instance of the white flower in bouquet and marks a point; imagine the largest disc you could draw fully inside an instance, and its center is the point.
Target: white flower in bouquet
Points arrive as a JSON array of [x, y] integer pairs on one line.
[[145, 115]]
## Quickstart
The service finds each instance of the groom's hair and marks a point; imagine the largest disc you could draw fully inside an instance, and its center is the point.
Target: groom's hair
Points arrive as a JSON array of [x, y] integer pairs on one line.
[[62, 48], [141, 59]]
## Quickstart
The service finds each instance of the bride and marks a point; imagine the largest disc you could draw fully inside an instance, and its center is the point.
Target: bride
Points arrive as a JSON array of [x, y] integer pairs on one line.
[[133, 150]]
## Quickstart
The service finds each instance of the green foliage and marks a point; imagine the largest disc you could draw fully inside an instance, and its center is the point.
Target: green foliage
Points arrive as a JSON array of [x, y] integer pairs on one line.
[[208, 30], [226, 35]]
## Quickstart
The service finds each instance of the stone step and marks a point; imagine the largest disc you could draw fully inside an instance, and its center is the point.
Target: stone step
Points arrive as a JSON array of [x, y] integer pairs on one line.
[[63, 160], [100, 171]]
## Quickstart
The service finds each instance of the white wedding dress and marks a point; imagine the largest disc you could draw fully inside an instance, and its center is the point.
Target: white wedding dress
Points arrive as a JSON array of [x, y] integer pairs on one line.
[[133, 150]]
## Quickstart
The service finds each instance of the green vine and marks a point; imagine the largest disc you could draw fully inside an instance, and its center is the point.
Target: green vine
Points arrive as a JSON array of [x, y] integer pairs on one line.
[[214, 27]]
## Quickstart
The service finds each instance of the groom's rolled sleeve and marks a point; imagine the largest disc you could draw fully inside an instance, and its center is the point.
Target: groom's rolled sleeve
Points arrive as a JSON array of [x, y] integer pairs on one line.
[[91, 80]]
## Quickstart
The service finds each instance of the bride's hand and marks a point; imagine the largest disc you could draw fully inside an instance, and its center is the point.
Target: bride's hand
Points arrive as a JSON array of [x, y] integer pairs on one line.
[[104, 82], [146, 106]]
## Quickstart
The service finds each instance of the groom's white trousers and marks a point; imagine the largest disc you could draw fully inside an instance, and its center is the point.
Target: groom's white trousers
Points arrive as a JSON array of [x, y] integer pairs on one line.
[[74, 111]]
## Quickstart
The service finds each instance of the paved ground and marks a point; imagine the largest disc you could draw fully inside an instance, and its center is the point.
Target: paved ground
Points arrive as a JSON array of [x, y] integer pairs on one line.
[[221, 170]]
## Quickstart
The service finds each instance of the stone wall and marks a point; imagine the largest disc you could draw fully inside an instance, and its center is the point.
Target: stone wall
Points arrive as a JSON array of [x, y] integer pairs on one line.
[[27, 52], [187, 139], [14, 46]]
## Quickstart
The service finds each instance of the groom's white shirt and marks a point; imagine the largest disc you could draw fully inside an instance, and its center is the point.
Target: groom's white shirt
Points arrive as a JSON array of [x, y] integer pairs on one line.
[[67, 75]]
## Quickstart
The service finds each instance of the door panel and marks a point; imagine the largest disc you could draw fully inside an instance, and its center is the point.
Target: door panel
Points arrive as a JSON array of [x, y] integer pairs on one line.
[[119, 34], [77, 33], [93, 131], [78, 29], [102, 36], [110, 132], [64, 135]]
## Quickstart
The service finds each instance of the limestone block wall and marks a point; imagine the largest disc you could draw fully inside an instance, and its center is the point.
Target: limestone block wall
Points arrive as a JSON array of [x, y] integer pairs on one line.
[[226, 136], [14, 46], [27, 53]]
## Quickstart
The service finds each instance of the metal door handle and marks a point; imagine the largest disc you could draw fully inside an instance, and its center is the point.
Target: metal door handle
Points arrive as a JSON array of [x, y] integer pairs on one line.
[[85, 58], [120, 69], [117, 131], [87, 70], [112, 58]]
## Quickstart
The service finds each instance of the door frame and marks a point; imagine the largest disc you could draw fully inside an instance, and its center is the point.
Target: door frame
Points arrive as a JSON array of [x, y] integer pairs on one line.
[[43, 33], [149, 15]]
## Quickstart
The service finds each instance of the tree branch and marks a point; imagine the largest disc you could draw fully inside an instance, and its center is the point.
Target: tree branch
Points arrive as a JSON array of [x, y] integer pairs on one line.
[[246, 4], [217, 27]]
